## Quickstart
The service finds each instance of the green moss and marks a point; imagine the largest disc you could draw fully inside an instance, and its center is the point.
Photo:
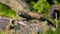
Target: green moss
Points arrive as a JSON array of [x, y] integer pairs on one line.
[[6, 11]]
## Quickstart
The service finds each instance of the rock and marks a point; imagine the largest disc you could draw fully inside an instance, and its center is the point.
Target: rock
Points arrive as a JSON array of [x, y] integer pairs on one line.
[[31, 27], [22, 27], [5, 24]]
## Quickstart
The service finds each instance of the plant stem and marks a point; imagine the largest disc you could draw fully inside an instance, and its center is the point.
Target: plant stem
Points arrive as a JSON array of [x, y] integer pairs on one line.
[[56, 21]]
